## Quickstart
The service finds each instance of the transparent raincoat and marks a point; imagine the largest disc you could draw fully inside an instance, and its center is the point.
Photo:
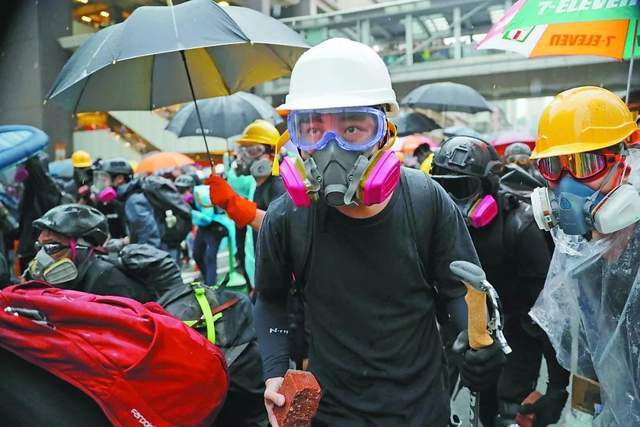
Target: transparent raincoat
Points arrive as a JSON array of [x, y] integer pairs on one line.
[[590, 309]]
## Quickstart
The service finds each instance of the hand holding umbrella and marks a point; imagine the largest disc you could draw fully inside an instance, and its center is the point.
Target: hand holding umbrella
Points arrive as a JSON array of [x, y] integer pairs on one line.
[[163, 55]]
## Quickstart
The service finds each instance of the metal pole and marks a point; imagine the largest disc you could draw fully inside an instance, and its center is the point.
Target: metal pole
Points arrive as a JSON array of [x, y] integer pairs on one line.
[[408, 39], [365, 31], [193, 95], [457, 31], [634, 42]]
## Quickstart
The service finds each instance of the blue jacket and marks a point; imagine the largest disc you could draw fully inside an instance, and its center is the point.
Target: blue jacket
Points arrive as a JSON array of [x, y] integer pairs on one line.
[[142, 223]]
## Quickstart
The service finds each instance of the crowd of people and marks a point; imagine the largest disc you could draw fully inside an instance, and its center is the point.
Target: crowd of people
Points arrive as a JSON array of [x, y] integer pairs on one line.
[[350, 278]]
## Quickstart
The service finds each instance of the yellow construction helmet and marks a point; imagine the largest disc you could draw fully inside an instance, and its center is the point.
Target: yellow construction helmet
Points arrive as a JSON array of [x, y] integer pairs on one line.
[[582, 119], [260, 132], [81, 159]]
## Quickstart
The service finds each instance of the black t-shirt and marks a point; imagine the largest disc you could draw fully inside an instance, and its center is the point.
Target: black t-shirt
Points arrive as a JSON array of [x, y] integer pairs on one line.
[[375, 347]]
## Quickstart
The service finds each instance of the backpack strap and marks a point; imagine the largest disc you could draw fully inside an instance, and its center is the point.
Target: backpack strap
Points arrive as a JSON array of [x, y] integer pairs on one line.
[[300, 245], [209, 315], [415, 185]]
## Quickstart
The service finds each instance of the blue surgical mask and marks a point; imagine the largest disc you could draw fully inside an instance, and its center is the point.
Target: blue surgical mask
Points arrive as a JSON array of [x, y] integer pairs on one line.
[[574, 201]]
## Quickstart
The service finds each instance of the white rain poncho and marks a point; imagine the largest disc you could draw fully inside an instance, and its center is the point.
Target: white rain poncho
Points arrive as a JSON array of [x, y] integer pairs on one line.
[[590, 309]]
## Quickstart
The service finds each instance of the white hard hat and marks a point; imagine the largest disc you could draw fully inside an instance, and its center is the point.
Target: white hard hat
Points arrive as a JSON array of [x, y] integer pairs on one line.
[[340, 73]]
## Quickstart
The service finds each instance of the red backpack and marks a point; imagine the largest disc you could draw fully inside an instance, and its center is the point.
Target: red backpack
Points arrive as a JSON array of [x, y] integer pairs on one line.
[[142, 366]]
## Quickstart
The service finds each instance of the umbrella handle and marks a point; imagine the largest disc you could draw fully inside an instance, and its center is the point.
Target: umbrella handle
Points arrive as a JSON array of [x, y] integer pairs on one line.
[[193, 95]]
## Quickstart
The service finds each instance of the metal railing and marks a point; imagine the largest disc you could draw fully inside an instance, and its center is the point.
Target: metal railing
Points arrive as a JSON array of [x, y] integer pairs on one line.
[[405, 32]]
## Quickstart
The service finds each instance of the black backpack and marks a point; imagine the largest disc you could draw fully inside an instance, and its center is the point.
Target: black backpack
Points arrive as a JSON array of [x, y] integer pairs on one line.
[[170, 208], [152, 267], [226, 318]]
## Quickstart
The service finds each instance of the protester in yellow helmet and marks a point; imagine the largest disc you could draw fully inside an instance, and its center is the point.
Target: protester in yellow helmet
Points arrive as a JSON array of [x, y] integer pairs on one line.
[[81, 159], [589, 306], [255, 155], [79, 186]]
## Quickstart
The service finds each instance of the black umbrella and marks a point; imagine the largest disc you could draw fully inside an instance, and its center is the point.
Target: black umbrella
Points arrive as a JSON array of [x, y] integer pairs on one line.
[[412, 122], [446, 96], [223, 117], [163, 55]]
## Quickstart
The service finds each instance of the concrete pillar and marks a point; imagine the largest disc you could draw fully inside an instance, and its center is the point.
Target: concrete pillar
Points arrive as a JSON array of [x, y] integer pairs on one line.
[[365, 32], [457, 31], [30, 60]]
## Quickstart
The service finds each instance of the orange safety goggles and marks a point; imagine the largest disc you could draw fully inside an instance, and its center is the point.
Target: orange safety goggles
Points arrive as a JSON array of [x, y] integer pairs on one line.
[[580, 165]]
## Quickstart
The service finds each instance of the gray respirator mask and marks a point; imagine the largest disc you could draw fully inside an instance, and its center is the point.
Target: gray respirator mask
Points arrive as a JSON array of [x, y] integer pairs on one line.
[[250, 161], [44, 267], [336, 173]]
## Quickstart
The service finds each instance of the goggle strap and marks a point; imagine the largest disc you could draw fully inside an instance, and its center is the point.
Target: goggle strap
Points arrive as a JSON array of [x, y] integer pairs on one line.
[[392, 134]]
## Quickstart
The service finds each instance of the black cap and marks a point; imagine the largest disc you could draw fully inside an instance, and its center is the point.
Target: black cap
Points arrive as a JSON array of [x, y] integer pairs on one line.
[[76, 221]]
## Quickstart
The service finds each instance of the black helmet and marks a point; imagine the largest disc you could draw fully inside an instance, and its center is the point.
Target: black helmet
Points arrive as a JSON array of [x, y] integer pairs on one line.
[[184, 182], [117, 166], [467, 155], [76, 221], [470, 157]]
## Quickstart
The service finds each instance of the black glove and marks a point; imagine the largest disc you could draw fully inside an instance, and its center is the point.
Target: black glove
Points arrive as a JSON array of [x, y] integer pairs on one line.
[[479, 369], [547, 409]]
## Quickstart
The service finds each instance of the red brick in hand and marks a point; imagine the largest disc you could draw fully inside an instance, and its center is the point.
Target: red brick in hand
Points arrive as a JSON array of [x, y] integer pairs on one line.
[[302, 396], [529, 419]]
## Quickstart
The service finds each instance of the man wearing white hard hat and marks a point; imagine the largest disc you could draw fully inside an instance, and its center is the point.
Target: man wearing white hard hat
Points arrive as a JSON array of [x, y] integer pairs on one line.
[[369, 245]]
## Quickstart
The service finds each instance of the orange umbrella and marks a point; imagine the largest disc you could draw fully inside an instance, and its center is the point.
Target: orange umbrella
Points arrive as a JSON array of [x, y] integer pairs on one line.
[[164, 160]]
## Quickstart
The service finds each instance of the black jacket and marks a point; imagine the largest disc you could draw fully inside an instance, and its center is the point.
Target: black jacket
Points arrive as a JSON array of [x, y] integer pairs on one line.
[[98, 276], [40, 194]]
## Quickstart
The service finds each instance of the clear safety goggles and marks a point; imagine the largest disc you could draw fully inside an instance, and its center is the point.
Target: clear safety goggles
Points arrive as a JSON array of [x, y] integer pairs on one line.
[[251, 151], [580, 165], [353, 128], [101, 179]]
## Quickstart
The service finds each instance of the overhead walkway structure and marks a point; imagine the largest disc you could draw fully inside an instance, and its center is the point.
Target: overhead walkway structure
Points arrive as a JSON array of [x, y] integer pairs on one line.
[[421, 41], [424, 41]]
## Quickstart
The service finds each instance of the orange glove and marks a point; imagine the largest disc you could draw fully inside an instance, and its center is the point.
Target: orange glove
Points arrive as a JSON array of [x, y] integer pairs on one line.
[[239, 209]]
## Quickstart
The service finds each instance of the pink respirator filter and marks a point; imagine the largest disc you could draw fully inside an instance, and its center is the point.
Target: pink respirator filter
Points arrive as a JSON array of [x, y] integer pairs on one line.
[[107, 195], [294, 183], [382, 180], [483, 212]]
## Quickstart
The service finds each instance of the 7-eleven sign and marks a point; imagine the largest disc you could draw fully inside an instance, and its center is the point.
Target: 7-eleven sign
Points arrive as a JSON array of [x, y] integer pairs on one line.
[[518, 34]]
